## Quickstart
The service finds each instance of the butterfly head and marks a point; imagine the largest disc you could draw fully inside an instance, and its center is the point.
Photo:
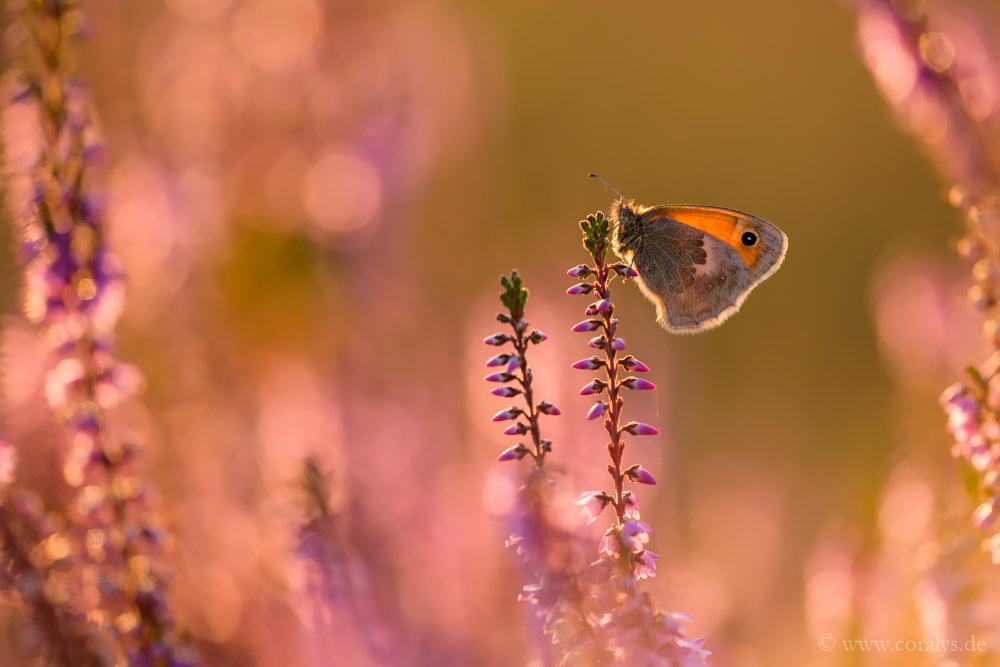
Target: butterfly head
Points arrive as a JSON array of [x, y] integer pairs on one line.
[[626, 216]]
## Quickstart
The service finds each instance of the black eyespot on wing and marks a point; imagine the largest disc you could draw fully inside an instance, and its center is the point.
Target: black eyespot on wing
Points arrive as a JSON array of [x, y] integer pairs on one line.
[[748, 239]]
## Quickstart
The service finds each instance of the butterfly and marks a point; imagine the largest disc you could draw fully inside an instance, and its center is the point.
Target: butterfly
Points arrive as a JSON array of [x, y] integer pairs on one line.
[[697, 264]]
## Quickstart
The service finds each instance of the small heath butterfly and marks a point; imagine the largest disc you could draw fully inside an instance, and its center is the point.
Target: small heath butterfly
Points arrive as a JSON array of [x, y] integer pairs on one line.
[[697, 264]]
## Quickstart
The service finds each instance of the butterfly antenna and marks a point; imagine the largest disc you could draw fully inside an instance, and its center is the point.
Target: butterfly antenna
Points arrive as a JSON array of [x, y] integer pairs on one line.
[[608, 186]]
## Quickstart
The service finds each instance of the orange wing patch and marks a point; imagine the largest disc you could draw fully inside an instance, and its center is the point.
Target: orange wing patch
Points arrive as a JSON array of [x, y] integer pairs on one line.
[[722, 223]]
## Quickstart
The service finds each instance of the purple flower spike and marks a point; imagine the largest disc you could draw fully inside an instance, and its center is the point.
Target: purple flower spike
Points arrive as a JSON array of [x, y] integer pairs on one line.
[[499, 377], [590, 364], [498, 360], [594, 387], [581, 271], [580, 288], [520, 428], [638, 428], [597, 410], [510, 413], [505, 392], [587, 325], [547, 408], [638, 383], [633, 364], [640, 475], [496, 339], [618, 344]]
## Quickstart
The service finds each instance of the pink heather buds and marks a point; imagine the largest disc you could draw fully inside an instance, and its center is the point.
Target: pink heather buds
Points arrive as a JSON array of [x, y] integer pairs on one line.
[[618, 344], [537, 337], [512, 412], [632, 364], [581, 271], [516, 452], [587, 325], [547, 408], [520, 428], [498, 360], [591, 364], [513, 363], [640, 475], [594, 387], [638, 428], [599, 342], [505, 392], [580, 288], [638, 383], [985, 514], [597, 410], [601, 306], [496, 339], [624, 270], [499, 377]]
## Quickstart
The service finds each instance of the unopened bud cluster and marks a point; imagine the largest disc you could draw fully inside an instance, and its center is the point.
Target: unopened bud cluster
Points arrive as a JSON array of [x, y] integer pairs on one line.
[[516, 376]]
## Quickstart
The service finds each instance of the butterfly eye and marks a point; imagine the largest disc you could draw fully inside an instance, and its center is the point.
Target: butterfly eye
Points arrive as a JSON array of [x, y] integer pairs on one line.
[[748, 239]]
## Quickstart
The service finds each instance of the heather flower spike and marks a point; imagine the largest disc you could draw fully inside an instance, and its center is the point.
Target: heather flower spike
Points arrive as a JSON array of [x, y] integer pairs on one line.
[[596, 240], [624, 559], [942, 108], [514, 297], [74, 293]]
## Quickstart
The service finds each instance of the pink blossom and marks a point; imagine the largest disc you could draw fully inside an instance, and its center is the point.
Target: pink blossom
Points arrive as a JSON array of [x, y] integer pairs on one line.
[[520, 428], [638, 428], [586, 325], [645, 565], [640, 475], [589, 364], [593, 387], [498, 360], [597, 410], [636, 534], [592, 503], [632, 364], [509, 413], [515, 452], [638, 383], [598, 342]]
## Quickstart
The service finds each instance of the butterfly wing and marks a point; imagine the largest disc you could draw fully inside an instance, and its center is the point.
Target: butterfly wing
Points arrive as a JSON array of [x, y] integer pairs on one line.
[[695, 266]]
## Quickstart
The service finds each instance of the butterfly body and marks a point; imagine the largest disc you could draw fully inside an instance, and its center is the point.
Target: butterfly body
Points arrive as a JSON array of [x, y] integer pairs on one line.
[[697, 264]]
